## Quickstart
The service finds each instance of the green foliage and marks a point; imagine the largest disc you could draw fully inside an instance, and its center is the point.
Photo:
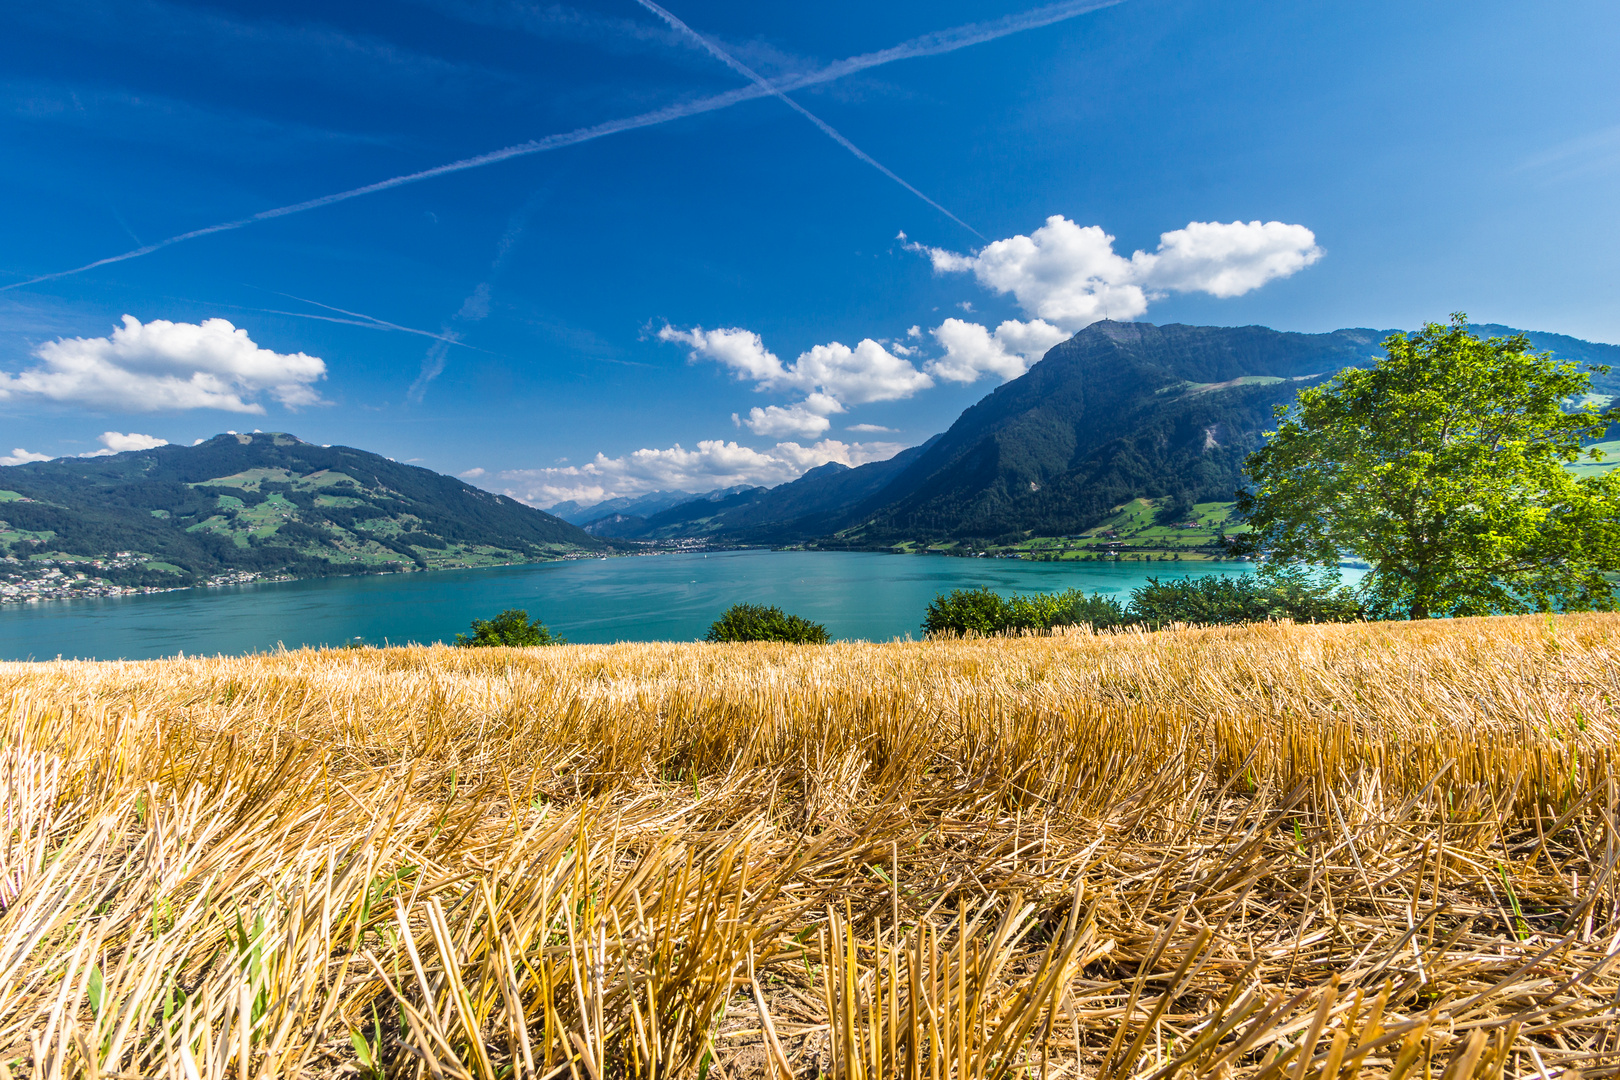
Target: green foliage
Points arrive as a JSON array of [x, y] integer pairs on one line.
[[966, 611], [756, 622], [1174, 512], [1228, 599], [1443, 467], [981, 611], [512, 628], [1218, 599]]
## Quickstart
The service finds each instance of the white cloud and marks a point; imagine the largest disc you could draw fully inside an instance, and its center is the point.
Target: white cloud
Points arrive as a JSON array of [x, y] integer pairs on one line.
[[1063, 273], [166, 365], [743, 351], [872, 428], [806, 419], [712, 464], [866, 373], [1229, 260], [114, 442], [19, 456], [972, 350], [471, 474], [831, 377], [1070, 276]]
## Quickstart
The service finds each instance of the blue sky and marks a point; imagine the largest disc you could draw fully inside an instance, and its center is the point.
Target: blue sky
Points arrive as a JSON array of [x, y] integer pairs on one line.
[[723, 295]]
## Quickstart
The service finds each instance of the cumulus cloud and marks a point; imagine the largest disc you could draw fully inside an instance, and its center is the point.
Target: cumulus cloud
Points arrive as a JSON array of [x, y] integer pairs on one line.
[[866, 373], [806, 419], [1229, 260], [116, 442], [167, 365], [712, 464], [743, 351], [972, 350], [1070, 275], [831, 376], [19, 456], [1064, 273]]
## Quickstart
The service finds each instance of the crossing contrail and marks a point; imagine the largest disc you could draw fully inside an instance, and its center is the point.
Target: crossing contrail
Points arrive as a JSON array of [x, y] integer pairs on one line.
[[831, 132], [357, 318], [934, 44]]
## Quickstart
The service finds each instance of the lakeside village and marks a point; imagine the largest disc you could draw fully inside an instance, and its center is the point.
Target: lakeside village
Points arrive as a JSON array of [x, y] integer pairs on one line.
[[31, 580], [28, 581]]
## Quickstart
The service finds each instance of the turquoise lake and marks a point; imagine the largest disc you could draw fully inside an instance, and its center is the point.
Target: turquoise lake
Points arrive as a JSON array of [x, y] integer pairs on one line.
[[858, 595]]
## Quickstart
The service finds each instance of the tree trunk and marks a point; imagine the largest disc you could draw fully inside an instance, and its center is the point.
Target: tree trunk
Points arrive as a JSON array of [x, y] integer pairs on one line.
[[1419, 609]]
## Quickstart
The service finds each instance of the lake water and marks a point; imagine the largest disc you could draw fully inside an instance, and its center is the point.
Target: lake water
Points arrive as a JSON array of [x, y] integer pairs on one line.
[[862, 595]]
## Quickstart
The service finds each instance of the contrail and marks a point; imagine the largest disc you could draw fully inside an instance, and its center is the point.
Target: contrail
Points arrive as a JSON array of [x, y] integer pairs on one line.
[[371, 324], [935, 44], [758, 80], [356, 318], [472, 310], [370, 320]]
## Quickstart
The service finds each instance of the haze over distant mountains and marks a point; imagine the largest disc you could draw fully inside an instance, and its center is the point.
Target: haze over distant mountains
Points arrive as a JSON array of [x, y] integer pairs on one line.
[[577, 513], [1119, 411]]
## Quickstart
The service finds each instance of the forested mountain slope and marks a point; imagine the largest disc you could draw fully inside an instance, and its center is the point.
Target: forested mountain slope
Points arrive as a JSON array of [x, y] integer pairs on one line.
[[1119, 411], [260, 504]]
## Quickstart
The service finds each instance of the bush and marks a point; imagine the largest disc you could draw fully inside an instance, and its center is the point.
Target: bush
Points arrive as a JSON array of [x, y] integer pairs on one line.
[[981, 611], [1291, 593], [755, 622], [511, 627], [966, 611], [1071, 607], [1217, 600]]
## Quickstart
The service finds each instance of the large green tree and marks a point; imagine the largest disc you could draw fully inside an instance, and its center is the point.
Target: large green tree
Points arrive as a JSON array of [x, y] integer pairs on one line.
[[1443, 467]]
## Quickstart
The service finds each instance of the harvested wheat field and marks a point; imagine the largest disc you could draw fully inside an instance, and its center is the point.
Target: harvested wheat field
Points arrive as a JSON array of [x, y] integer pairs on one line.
[[1277, 851]]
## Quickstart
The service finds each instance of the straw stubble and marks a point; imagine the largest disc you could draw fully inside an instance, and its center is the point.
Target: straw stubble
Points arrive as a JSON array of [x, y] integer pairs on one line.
[[1272, 852]]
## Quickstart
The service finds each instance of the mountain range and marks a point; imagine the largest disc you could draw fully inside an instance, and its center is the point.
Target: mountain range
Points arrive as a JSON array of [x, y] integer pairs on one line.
[[576, 513], [1123, 422], [1119, 412], [265, 504]]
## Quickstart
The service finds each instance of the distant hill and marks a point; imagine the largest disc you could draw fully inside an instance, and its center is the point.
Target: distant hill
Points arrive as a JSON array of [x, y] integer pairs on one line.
[[815, 504], [630, 520], [260, 504], [578, 513], [1565, 347]]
